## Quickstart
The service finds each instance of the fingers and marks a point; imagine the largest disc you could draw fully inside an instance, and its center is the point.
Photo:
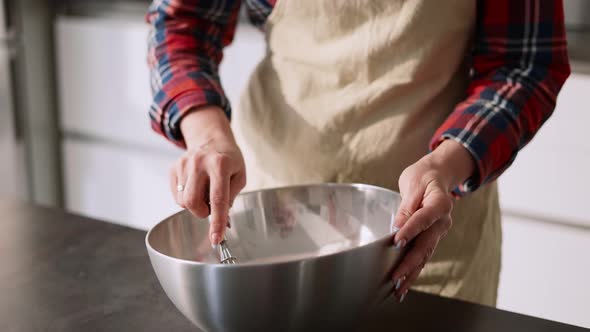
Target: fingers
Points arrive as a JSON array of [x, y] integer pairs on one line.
[[211, 176], [219, 198], [173, 181], [194, 194], [405, 284], [419, 254], [410, 202], [237, 183], [434, 207], [177, 177]]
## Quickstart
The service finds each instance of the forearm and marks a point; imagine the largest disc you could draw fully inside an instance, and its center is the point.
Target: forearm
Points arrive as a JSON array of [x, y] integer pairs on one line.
[[205, 124], [185, 49], [452, 162], [515, 81]]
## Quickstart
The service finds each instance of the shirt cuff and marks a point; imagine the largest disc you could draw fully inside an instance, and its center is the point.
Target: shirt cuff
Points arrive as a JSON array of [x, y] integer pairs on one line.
[[475, 180], [168, 110]]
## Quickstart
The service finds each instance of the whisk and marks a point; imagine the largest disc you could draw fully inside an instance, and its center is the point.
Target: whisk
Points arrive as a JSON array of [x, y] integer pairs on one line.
[[225, 256]]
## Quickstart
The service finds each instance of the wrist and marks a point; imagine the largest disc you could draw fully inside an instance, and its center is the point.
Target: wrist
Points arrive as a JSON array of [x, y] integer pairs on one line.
[[453, 162], [204, 124]]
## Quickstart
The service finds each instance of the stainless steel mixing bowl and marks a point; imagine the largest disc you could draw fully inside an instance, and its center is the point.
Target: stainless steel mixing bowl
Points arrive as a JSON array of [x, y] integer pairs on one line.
[[317, 256]]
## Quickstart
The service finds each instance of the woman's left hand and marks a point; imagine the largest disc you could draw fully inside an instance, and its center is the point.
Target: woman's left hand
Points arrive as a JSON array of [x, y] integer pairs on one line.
[[424, 216]]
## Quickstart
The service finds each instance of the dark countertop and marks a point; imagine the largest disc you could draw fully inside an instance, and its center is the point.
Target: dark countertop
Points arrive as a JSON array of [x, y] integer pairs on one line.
[[62, 272]]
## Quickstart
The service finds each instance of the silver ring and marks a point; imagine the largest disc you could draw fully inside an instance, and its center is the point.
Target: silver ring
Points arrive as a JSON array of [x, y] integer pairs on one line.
[[180, 188]]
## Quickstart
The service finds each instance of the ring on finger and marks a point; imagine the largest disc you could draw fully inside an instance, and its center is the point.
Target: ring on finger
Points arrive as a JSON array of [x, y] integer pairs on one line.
[[180, 188]]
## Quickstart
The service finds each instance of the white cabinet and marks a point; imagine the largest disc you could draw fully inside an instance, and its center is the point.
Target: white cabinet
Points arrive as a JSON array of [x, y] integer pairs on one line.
[[545, 268], [545, 271], [114, 167], [551, 176], [117, 183], [104, 79]]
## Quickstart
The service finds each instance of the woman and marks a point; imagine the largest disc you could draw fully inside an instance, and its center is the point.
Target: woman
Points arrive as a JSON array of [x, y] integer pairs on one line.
[[360, 91]]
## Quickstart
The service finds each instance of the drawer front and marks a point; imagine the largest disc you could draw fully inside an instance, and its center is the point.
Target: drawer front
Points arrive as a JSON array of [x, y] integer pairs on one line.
[[545, 271], [121, 185], [103, 80]]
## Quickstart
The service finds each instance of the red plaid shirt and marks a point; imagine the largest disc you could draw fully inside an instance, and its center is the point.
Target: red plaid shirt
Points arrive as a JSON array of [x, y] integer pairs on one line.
[[519, 63]]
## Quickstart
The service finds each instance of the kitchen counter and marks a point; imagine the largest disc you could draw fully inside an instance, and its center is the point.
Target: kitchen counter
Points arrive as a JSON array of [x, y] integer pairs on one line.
[[63, 272]]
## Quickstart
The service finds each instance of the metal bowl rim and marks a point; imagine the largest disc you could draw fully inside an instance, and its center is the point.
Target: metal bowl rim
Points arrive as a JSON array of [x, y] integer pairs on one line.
[[286, 262]]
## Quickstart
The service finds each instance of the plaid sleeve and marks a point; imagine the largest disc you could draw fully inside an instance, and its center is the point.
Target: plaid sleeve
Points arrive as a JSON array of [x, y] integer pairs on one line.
[[185, 49], [519, 64]]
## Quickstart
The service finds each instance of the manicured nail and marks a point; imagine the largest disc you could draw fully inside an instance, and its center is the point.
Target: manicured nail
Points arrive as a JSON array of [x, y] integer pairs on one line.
[[401, 243], [399, 281], [401, 299], [215, 238]]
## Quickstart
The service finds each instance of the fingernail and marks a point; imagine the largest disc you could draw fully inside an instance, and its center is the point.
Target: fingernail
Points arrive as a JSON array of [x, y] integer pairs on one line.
[[399, 281], [395, 229], [400, 244], [401, 299], [215, 238]]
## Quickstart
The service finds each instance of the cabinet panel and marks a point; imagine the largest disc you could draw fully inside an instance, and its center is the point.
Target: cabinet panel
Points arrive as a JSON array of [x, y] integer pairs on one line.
[[545, 271], [117, 184], [551, 175], [103, 78], [551, 184], [567, 127]]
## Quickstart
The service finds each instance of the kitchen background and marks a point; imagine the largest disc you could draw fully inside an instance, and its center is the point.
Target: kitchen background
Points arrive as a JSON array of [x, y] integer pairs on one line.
[[74, 132]]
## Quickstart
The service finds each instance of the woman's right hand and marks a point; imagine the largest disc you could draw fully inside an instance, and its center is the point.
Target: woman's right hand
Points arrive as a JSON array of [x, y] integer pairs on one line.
[[210, 174]]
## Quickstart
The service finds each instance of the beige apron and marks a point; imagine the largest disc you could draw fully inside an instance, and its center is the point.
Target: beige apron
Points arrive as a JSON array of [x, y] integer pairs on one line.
[[352, 91]]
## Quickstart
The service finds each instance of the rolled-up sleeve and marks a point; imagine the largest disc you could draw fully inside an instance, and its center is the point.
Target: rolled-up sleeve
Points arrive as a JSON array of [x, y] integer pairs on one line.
[[184, 52], [519, 64]]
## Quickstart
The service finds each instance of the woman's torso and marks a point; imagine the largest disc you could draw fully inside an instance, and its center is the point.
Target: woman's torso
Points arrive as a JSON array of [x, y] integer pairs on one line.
[[352, 91]]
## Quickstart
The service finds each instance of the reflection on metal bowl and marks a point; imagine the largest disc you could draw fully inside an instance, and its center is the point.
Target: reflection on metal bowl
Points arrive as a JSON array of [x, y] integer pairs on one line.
[[316, 256]]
